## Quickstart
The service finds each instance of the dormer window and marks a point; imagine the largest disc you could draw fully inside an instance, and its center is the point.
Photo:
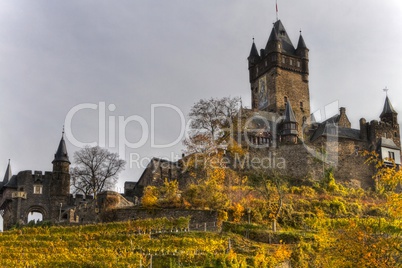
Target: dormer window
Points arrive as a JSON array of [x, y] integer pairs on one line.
[[391, 155]]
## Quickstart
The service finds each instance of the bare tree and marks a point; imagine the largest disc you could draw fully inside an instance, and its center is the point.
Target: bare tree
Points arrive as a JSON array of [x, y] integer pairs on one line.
[[210, 120], [96, 169]]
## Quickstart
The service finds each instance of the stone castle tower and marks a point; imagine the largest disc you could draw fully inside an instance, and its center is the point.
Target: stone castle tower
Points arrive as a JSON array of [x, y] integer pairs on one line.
[[61, 171], [279, 74], [28, 192]]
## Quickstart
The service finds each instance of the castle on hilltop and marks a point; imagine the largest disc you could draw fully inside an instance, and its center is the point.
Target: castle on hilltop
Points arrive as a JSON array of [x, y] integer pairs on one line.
[[280, 87], [280, 124]]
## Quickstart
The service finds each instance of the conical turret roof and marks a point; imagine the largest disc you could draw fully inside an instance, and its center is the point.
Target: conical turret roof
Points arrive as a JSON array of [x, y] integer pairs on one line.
[[8, 174], [301, 44], [253, 52], [388, 109], [289, 115], [61, 154]]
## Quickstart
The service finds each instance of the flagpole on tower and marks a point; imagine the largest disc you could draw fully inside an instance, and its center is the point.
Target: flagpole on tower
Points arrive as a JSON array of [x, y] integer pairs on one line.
[[276, 5]]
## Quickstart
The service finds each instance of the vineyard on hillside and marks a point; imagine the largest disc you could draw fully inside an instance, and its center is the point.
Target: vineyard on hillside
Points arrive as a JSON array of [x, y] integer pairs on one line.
[[145, 243]]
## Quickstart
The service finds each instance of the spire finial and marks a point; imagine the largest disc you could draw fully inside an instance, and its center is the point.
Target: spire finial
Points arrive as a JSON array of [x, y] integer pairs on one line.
[[62, 133], [300, 31], [386, 91], [9, 160]]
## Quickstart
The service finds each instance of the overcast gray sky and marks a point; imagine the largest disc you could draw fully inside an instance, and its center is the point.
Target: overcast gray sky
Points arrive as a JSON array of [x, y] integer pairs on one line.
[[56, 56]]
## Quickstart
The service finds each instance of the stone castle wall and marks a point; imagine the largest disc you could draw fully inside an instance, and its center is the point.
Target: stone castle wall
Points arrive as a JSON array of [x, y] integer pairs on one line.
[[306, 162]]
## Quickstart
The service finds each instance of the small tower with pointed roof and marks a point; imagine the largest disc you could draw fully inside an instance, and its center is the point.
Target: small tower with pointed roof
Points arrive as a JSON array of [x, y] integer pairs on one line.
[[389, 115], [386, 128], [280, 73], [289, 126], [61, 170]]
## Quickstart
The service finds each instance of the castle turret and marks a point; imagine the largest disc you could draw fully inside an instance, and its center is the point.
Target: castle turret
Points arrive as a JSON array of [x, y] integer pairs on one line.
[[61, 170], [389, 115], [289, 127], [302, 52], [254, 57]]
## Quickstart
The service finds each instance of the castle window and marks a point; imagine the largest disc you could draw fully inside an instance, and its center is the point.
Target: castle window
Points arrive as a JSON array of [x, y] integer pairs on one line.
[[37, 189], [391, 155], [283, 60], [273, 58], [298, 64], [266, 63], [291, 62]]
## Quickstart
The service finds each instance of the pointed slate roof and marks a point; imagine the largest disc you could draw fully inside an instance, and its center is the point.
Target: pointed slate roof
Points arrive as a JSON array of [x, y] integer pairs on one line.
[[301, 44], [253, 52], [283, 37], [273, 36], [61, 153], [8, 174], [388, 109], [289, 115]]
